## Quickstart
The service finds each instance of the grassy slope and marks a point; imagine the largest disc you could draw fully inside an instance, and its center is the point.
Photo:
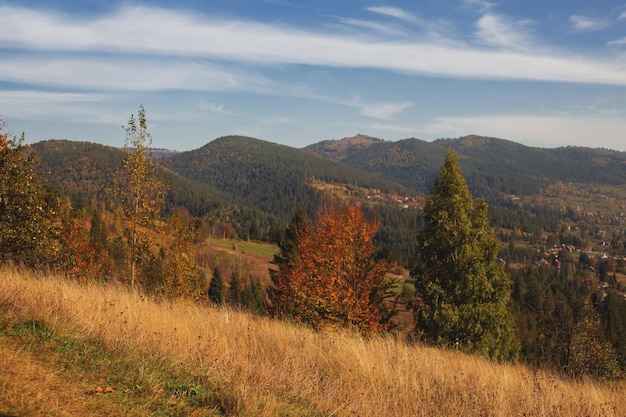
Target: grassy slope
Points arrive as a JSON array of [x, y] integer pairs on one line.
[[60, 341]]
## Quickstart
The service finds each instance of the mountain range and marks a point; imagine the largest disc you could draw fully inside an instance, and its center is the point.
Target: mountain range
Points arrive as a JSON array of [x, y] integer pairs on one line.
[[257, 185]]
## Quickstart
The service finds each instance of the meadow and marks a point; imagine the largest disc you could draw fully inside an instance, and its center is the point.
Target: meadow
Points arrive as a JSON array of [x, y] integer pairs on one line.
[[70, 348]]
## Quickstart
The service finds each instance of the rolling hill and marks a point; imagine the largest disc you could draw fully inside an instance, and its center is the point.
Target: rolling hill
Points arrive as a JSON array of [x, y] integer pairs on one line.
[[492, 167], [270, 177], [86, 169], [255, 185]]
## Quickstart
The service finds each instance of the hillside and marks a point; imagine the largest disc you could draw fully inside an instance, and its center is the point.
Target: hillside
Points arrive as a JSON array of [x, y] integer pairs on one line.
[[254, 185], [338, 149], [492, 167], [270, 177], [76, 349], [86, 169]]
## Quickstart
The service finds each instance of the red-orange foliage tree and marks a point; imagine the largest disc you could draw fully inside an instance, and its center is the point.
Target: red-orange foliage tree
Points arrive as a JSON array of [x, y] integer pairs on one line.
[[335, 280], [83, 259]]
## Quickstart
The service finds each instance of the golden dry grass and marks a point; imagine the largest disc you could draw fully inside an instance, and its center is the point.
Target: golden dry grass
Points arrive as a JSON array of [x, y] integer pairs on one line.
[[272, 368]]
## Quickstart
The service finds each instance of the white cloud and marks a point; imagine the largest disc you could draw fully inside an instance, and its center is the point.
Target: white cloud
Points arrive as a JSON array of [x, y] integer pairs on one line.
[[117, 73], [482, 5], [379, 27], [78, 107], [535, 130], [212, 107], [165, 34], [617, 42], [622, 16], [584, 23], [495, 30], [383, 127], [379, 110], [394, 12], [29, 96]]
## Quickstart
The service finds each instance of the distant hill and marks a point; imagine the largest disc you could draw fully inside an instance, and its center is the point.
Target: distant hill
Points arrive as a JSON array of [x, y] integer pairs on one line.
[[273, 178], [337, 150], [86, 169], [492, 167], [255, 185]]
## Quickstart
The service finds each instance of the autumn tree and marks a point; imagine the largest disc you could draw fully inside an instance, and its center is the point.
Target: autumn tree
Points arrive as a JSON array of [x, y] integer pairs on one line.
[[29, 226], [181, 277], [138, 189], [84, 258], [589, 352], [462, 290], [334, 278]]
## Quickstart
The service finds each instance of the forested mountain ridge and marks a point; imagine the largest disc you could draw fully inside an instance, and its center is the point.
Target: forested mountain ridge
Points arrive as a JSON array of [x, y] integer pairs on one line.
[[255, 185], [493, 167], [337, 149], [270, 177], [86, 169]]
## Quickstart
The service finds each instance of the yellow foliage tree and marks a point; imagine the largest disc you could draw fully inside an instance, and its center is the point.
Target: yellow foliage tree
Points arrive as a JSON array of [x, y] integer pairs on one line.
[[138, 190]]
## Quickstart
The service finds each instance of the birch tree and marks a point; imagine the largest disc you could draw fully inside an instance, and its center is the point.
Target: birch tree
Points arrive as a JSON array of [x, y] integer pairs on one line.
[[138, 190]]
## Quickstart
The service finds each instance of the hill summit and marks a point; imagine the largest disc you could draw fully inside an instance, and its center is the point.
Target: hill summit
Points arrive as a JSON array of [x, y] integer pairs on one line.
[[337, 149]]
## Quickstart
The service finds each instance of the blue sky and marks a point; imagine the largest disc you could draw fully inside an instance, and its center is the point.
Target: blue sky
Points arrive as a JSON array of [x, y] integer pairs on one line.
[[542, 73]]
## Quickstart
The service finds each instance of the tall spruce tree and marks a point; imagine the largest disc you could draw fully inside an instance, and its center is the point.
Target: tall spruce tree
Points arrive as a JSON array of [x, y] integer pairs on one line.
[[286, 258], [462, 290]]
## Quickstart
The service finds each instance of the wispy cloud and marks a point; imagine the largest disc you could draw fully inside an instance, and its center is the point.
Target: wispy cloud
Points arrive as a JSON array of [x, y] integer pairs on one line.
[[379, 110], [496, 30], [396, 31], [482, 5], [212, 107], [122, 73], [183, 50], [585, 23], [617, 42], [534, 130], [43, 105], [394, 12], [385, 127]]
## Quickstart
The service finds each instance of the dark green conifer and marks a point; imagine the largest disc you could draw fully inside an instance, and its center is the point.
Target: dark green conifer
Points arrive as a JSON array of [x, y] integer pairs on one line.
[[234, 297], [462, 290], [287, 256], [216, 288]]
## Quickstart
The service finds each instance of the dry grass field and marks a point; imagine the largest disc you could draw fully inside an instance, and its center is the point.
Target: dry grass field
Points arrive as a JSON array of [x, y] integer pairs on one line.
[[100, 349]]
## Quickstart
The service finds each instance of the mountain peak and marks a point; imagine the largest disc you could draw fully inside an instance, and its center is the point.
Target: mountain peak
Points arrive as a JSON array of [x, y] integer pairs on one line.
[[337, 149]]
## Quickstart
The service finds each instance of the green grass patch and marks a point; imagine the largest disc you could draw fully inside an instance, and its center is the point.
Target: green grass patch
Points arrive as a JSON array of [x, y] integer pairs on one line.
[[112, 381], [253, 248]]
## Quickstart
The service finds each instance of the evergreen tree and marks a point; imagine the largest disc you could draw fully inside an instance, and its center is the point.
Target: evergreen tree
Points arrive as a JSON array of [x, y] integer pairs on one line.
[[462, 290], [286, 258], [216, 288], [234, 290], [253, 297]]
